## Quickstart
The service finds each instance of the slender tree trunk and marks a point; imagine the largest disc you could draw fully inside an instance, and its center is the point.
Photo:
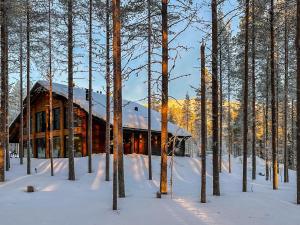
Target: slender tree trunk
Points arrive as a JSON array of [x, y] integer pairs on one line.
[[70, 91], [4, 70], [267, 122], [298, 100], [253, 95], [221, 107], [50, 91], [149, 90], [28, 86], [245, 103], [118, 85], [21, 147], [229, 106], [107, 126], [286, 68], [273, 102], [293, 134], [215, 127], [117, 92], [164, 106], [90, 119], [203, 126], [4, 91]]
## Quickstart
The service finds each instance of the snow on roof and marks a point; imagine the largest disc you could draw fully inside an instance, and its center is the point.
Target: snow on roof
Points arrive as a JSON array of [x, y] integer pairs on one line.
[[135, 116]]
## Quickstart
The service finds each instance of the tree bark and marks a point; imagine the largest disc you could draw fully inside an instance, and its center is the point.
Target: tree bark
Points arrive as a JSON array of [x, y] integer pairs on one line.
[[4, 92], [203, 126], [50, 91], [215, 128], [221, 107], [149, 91], [253, 95], [273, 102], [90, 119], [117, 94], [286, 71], [70, 91], [164, 106], [21, 146], [245, 103], [229, 106], [107, 125], [267, 122], [28, 85], [298, 100]]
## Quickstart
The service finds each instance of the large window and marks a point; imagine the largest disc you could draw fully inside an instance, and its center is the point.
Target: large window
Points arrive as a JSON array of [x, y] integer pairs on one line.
[[77, 146], [56, 118], [56, 147], [41, 147], [40, 125], [77, 118]]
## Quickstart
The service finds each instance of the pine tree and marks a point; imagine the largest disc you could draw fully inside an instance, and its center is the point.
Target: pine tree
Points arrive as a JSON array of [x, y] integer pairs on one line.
[[164, 104], [149, 90], [298, 100], [273, 102], [28, 85], [50, 87], [245, 102], [70, 92], [107, 77], [253, 94], [215, 128], [203, 126], [90, 118]]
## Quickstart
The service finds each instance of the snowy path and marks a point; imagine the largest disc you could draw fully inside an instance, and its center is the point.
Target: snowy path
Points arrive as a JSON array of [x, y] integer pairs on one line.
[[87, 201]]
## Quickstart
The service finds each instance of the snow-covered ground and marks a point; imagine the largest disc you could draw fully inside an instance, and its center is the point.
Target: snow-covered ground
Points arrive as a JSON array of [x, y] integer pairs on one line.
[[88, 200]]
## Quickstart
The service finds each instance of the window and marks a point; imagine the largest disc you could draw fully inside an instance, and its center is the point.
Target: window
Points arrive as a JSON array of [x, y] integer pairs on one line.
[[40, 125], [56, 118], [77, 118], [77, 146], [41, 147], [56, 147]]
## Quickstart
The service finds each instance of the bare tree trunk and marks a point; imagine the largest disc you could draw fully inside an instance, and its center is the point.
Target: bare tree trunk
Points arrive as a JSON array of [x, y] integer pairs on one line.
[[273, 103], [245, 103], [203, 126], [221, 108], [118, 86], [253, 95], [149, 90], [70, 91], [117, 92], [90, 119], [298, 100], [21, 147], [164, 106], [267, 122], [107, 126], [50, 91], [229, 107], [215, 127], [4, 91], [28, 86], [286, 68]]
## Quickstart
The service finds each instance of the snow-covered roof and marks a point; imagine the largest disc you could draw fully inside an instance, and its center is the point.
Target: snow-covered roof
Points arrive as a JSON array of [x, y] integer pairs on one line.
[[132, 118]]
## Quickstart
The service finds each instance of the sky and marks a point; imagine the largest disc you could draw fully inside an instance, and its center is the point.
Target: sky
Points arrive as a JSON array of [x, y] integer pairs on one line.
[[135, 89]]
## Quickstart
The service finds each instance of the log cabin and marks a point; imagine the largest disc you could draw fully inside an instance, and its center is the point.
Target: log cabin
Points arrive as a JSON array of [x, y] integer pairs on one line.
[[135, 124]]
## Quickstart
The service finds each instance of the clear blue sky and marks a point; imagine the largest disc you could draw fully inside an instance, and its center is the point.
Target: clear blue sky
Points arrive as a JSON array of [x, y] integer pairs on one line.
[[135, 88]]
